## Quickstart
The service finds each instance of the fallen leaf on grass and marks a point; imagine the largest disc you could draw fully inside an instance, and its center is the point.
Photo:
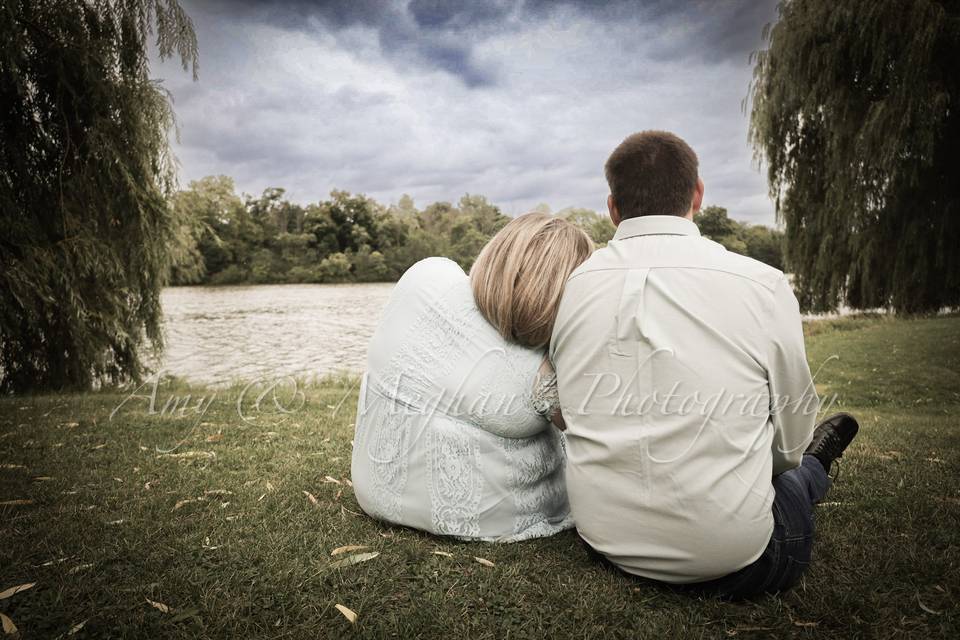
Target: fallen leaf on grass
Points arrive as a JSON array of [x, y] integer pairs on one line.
[[42, 478], [8, 627], [70, 425], [12, 466], [312, 498], [935, 460], [14, 590], [349, 547], [217, 492], [216, 437], [99, 446], [926, 608], [329, 479], [10, 503], [347, 613], [349, 482], [736, 630], [160, 606], [55, 561], [484, 562], [189, 455], [800, 623], [354, 559], [79, 568], [444, 554], [75, 628], [114, 522], [181, 503]]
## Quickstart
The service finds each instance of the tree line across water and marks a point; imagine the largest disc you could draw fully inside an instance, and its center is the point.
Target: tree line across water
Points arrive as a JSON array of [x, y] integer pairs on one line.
[[223, 238]]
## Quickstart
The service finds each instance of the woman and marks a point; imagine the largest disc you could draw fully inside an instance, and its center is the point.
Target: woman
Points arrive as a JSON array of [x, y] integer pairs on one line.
[[448, 435]]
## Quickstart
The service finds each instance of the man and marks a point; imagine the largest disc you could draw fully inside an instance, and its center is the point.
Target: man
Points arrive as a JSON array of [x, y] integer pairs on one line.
[[686, 393]]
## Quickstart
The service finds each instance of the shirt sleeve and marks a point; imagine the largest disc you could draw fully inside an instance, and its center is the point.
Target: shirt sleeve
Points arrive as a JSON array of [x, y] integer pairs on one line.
[[793, 397]]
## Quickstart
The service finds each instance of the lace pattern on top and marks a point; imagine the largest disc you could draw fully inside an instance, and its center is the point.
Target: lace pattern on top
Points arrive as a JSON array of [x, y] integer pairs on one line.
[[426, 354], [455, 481], [536, 474], [546, 398], [387, 453]]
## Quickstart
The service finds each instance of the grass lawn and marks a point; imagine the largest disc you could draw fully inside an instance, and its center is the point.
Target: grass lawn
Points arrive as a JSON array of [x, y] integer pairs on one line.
[[231, 534]]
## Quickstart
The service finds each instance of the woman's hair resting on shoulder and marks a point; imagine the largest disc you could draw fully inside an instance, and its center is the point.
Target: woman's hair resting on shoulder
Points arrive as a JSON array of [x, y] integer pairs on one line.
[[518, 278]]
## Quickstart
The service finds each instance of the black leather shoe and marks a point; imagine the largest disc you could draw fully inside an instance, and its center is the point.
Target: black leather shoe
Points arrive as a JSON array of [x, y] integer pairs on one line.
[[832, 437]]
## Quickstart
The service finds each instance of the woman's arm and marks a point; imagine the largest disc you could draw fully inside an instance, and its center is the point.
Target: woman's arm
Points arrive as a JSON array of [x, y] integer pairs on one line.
[[546, 399]]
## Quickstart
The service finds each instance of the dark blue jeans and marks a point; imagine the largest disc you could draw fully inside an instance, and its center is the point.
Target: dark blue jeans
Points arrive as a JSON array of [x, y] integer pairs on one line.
[[787, 554]]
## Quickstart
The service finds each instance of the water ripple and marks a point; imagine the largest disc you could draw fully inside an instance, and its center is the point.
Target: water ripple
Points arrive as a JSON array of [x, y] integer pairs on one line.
[[217, 334]]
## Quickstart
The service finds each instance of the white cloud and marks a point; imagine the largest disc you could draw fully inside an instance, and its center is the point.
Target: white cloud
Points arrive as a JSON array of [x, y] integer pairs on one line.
[[314, 108]]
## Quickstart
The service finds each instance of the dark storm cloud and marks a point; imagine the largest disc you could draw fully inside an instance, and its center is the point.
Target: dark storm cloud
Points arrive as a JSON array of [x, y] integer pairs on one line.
[[518, 100], [715, 28], [436, 14], [397, 27], [442, 33]]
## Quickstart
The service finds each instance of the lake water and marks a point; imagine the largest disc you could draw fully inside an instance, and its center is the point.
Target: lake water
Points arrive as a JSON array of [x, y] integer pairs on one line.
[[217, 334]]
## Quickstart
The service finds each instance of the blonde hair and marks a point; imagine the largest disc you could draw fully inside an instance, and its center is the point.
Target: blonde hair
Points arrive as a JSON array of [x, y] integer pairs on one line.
[[518, 277]]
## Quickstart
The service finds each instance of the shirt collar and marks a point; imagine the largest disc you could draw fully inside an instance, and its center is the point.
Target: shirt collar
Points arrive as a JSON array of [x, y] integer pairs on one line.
[[656, 226]]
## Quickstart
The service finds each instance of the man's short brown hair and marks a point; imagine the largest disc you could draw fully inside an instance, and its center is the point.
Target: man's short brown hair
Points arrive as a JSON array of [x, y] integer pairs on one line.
[[652, 173]]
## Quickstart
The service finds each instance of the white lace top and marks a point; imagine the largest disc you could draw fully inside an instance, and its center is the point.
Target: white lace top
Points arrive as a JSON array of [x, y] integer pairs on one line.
[[447, 437]]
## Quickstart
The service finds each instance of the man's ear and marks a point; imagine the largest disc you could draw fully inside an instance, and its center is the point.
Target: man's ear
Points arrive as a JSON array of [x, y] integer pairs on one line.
[[697, 196], [612, 208]]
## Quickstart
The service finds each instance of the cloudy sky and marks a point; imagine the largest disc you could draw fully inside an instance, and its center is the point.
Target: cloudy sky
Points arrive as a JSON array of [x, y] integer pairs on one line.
[[520, 101]]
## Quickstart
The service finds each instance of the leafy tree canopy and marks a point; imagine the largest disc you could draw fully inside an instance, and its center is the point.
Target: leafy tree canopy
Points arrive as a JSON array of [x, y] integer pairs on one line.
[[854, 109], [85, 175]]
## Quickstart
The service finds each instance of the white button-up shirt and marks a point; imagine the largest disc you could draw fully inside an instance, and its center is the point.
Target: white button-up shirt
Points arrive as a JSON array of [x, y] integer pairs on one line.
[[685, 388]]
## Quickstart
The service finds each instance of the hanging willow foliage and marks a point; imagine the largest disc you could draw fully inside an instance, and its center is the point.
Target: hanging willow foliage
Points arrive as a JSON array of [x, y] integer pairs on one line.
[[85, 175], [855, 111]]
